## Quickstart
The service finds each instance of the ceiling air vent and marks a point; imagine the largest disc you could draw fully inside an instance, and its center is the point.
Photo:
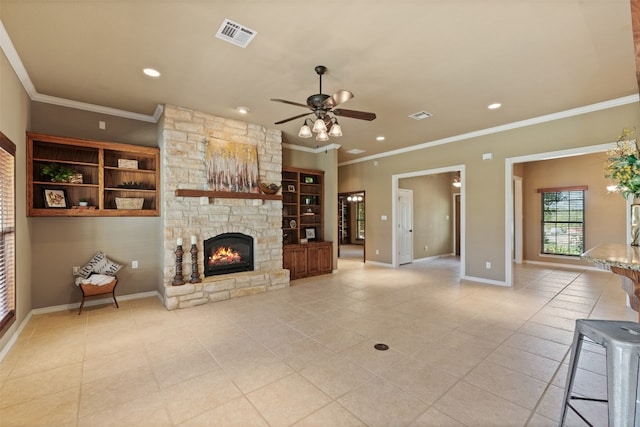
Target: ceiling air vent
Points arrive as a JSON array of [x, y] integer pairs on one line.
[[420, 115], [235, 33], [355, 151]]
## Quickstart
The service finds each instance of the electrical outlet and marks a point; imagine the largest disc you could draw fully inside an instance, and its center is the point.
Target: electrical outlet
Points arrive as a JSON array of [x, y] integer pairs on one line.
[[426, 248], [134, 264], [377, 252], [76, 268], [488, 265]]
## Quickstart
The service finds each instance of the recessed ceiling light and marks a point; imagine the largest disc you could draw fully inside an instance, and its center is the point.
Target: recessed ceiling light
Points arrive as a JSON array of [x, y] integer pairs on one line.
[[380, 138], [151, 72], [243, 110], [494, 106]]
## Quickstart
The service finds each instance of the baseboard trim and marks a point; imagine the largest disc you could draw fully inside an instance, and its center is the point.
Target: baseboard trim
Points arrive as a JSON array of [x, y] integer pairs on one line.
[[93, 302], [15, 336], [65, 307], [560, 265], [381, 264], [486, 281]]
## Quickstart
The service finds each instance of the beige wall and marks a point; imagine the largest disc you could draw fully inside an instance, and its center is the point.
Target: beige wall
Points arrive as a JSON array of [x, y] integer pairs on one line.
[[432, 213], [14, 121], [484, 186], [605, 213], [58, 244]]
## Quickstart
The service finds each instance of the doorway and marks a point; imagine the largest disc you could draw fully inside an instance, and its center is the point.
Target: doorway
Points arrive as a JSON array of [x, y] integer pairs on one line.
[[351, 226], [460, 220]]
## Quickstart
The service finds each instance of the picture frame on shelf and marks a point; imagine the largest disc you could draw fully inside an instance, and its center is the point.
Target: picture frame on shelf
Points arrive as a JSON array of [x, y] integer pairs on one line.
[[310, 233], [55, 198], [291, 188]]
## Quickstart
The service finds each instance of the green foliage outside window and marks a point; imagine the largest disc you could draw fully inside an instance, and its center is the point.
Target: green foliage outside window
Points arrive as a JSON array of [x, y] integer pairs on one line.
[[563, 222]]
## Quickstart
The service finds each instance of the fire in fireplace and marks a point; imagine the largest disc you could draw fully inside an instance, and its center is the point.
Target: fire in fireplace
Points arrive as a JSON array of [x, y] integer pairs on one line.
[[228, 253]]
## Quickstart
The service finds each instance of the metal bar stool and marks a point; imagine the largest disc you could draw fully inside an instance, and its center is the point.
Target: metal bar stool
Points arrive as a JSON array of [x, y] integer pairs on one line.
[[622, 343]]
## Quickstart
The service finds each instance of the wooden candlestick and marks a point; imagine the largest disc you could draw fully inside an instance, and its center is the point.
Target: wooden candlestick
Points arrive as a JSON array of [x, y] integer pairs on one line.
[[178, 279], [195, 276]]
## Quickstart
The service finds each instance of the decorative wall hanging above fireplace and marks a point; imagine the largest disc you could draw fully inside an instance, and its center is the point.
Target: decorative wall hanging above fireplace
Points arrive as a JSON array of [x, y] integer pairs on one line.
[[231, 166]]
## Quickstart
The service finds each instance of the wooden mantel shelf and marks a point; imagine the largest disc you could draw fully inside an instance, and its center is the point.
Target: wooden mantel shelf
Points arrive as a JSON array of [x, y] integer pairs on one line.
[[225, 194]]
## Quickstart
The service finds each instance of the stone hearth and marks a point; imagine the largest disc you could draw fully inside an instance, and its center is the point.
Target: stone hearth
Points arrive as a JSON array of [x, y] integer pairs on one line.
[[184, 136]]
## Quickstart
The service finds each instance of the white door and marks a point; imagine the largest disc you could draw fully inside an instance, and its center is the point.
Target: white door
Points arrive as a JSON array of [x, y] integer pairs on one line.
[[405, 226]]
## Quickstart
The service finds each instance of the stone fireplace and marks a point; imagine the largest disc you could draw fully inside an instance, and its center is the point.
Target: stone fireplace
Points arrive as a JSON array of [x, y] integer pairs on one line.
[[201, 217]]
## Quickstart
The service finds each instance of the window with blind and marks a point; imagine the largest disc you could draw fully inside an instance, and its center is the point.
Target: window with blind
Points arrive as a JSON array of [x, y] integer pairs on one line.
[[563, 220], [8, 234]]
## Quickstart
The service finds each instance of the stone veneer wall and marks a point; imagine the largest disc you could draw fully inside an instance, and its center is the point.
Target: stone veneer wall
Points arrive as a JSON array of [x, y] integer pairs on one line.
[[184, 136]]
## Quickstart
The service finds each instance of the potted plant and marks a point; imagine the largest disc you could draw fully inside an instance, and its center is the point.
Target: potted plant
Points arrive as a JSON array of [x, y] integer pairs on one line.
[[58, 173], [83, 201]]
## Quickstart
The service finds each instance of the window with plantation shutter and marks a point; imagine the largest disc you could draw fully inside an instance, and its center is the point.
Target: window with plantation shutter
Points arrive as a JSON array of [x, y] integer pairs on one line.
[[7, 233]]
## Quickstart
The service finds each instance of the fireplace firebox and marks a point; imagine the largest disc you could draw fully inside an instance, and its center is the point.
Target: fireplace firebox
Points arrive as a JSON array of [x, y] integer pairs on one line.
[[228, 253]]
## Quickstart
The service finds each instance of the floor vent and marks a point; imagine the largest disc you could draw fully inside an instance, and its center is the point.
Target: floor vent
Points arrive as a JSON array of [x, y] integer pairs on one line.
[[235, 33]]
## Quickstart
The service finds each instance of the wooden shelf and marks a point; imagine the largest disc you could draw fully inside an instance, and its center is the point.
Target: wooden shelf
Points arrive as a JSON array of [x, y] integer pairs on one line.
[[225, 194], [302, 201], [96, 162]]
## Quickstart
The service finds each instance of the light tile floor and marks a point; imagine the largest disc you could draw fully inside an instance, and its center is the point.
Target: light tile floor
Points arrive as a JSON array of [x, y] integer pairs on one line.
[[461, 354]]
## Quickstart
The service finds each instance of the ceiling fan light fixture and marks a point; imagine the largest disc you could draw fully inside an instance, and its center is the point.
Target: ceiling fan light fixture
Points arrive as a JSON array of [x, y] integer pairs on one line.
[[319, 126], [322, 136], [305, 131], [335, 130]]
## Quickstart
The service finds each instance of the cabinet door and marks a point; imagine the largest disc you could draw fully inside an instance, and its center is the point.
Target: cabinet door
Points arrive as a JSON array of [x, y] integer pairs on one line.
[[320, 259], [294, 259], [326, 258], [314, 260]]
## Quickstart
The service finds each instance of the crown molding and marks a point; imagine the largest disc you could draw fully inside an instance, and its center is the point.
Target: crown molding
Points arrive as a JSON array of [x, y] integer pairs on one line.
[[63, 102], [16, 63], [509, 126], [311, 150]]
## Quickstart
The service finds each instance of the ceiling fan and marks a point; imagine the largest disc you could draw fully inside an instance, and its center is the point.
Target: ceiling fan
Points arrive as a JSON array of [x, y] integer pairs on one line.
[[321, 105]]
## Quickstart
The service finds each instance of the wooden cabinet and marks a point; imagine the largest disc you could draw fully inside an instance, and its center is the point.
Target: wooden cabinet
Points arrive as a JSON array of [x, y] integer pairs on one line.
[[308, 259], [319, 258], [303, 218], [115, 179], [295, 260]]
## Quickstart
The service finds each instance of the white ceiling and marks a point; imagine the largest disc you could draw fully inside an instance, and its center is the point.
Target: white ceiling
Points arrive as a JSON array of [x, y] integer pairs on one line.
[[451, 58]]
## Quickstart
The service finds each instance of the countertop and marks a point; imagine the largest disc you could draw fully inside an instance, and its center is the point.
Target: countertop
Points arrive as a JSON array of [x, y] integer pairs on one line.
[[614, 255]]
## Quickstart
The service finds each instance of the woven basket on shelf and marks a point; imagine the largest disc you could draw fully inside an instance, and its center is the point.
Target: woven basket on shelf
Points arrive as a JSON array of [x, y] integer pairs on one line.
[[129, 202]]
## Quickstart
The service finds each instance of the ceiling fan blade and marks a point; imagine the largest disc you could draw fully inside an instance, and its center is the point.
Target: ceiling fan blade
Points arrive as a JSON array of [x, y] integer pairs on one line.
[[362, 115], [284, 101], [291, 118], [340, 97]]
